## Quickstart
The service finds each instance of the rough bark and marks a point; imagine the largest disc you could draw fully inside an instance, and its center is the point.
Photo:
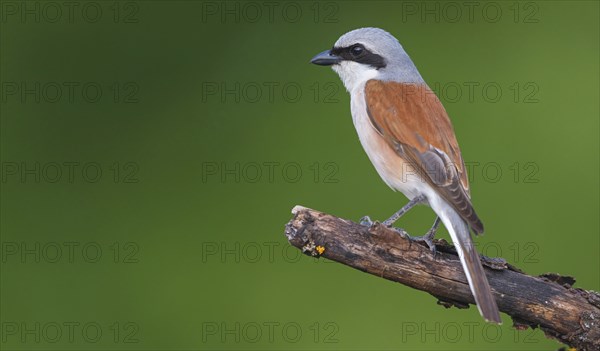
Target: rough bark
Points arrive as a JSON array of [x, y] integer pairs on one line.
[[570, 315]]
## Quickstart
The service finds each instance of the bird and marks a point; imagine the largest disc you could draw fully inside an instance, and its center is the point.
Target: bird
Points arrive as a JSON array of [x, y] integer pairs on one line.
[[409, 138]]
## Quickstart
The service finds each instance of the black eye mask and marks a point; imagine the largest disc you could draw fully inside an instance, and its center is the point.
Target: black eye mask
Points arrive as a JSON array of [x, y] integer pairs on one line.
[[358, 53]]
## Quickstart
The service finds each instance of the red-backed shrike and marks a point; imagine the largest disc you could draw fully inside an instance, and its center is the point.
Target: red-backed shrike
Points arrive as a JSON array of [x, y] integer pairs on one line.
[[408, 137]]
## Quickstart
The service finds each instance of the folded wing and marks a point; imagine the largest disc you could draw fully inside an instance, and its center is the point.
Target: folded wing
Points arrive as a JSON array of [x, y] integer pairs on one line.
[[414, 123]]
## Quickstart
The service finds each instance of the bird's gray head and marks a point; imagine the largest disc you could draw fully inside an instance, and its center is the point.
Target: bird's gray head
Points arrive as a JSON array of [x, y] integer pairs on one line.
[[369, 53]]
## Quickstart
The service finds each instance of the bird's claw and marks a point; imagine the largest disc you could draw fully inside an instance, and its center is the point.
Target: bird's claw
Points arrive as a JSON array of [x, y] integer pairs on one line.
[[427, 239], [401, 232], [366, 221]]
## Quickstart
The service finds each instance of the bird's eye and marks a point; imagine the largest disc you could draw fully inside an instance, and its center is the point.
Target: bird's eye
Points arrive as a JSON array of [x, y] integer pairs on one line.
[[356, 50]]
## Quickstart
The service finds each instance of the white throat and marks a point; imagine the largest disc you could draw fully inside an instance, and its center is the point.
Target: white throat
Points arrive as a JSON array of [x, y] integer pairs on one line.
[[354, 75]]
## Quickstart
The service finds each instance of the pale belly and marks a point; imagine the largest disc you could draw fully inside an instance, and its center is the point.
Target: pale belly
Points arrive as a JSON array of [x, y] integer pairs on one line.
[[395, 172]]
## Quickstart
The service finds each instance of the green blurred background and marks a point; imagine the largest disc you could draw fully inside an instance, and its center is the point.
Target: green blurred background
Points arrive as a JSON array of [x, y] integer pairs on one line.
[[211, 125]]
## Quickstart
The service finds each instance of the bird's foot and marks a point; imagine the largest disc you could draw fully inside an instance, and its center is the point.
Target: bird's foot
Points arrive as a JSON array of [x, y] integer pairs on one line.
[[427, 239], [366, 221]]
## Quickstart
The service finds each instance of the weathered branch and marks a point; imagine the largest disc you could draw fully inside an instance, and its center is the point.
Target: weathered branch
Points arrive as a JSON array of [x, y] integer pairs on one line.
[[568, 314]]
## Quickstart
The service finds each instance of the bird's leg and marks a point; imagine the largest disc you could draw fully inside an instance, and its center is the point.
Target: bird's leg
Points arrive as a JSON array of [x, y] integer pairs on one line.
[[366, 220], [428, 238], [412, 203]]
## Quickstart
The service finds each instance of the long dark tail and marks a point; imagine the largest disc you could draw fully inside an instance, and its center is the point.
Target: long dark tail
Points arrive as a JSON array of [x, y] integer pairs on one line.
[[459, 231]]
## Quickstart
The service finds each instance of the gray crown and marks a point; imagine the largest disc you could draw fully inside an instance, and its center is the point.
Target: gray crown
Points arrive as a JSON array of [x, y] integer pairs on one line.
[[399, 66]]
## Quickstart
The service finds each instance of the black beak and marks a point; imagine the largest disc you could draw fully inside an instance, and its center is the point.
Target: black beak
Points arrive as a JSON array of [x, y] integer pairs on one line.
[[326, 58]]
